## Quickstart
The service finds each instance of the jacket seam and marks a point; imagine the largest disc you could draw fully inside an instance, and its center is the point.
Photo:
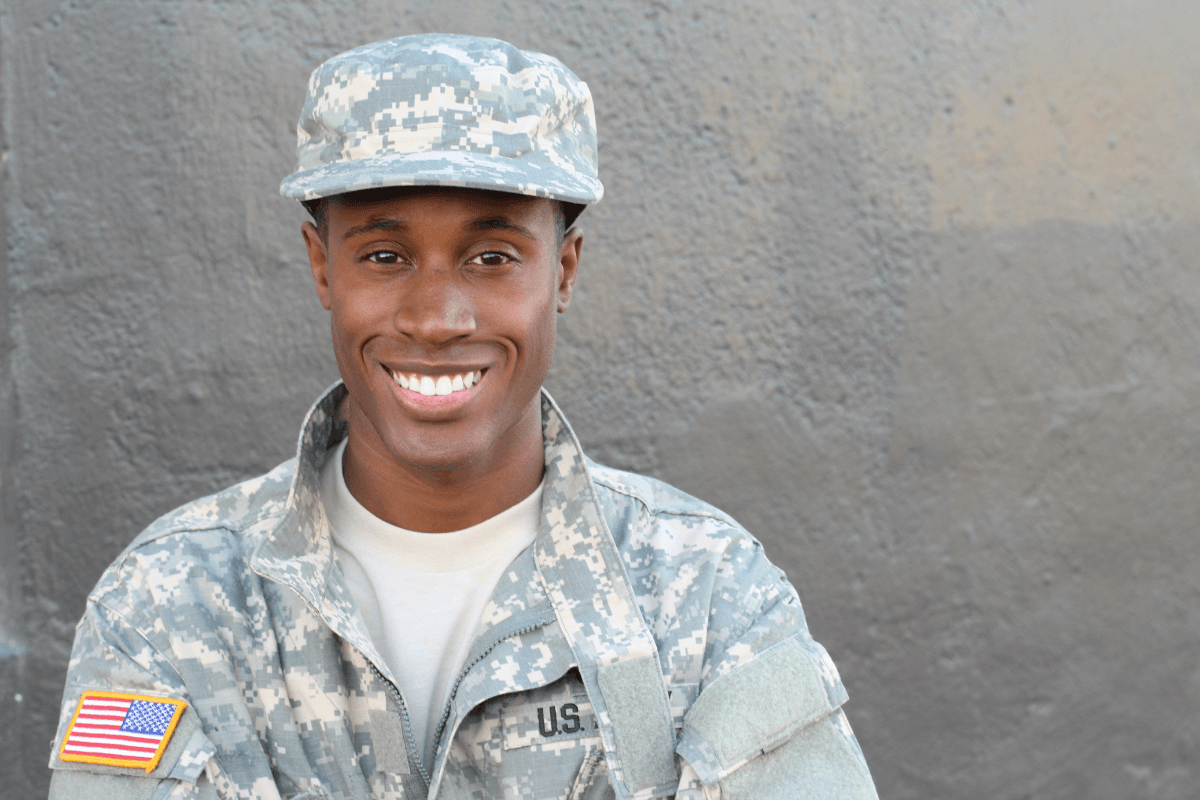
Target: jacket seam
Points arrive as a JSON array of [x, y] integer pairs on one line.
[[238, 526], [174, 531], [657, 512], [142, 634], [220, 525]]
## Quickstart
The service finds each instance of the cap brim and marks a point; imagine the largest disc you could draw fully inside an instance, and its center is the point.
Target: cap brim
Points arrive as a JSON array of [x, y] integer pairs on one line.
[[533, 174]]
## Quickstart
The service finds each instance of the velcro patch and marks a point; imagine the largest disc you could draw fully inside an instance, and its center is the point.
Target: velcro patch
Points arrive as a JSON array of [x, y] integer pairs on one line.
[[121, 730]]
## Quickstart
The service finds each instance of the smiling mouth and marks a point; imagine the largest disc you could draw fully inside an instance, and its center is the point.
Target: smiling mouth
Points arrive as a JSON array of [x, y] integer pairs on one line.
[[431, 385]]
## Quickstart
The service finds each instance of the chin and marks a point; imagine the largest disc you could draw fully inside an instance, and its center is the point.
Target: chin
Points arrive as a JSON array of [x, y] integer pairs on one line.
[[429, 455]]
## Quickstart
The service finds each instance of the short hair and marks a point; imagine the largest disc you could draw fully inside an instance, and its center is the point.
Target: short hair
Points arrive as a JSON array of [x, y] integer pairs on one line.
[[565, 214]]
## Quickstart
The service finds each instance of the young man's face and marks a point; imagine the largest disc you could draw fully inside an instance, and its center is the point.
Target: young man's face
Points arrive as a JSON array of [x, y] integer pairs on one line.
[[443, 309]]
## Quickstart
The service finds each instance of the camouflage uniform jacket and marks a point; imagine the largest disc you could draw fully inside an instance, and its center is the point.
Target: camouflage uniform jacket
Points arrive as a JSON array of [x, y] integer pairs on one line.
[[642, 647]]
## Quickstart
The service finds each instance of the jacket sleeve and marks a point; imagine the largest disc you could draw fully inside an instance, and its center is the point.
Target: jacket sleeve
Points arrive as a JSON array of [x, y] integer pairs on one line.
[[110, 655], [768, 721]]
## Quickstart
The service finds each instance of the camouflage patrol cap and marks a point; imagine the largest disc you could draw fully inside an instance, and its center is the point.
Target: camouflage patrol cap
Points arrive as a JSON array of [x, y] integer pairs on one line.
[[446, 110]]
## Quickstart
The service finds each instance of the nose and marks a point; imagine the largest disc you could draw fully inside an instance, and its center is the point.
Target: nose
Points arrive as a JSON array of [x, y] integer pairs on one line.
[[434, 308]]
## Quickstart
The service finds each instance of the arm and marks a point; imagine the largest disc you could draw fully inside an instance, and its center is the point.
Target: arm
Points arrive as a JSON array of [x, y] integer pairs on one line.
[[768, 721], [110, 655]]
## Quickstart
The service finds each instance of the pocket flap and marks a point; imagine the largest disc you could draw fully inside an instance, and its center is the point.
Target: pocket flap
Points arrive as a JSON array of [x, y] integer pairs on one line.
[[758, 705]]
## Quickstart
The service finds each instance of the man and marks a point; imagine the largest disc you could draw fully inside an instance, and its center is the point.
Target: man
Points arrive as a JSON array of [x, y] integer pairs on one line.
[[440, 595]]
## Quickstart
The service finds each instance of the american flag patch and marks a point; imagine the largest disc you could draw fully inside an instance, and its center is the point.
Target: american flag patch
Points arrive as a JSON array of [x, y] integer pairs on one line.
[[121, 730]]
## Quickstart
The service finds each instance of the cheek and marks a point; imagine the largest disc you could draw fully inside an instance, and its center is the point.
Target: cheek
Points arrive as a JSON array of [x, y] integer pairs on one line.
[[351, 332], [540, 320], [357, 311], [338, 332], [344, 352], [540, 340]]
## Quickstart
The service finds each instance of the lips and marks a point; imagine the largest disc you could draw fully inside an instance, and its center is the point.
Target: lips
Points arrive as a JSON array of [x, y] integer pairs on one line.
[[440, 385]]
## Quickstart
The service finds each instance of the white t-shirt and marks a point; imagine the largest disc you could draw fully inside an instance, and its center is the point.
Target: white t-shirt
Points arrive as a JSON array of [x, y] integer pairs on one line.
[[422, 594]]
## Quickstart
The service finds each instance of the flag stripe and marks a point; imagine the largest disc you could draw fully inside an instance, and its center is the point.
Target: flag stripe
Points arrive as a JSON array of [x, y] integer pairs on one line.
[[87, 731], [112, 751], [125, 748], [130, 748], [142, 743], [96, 740]]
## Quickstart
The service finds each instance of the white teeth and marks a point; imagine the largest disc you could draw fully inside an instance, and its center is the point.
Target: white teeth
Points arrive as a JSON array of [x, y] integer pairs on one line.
[[441, 385]]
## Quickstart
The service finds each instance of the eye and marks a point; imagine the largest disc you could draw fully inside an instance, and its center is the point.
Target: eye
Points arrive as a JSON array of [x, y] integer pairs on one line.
[[384, 257], [491, 259]]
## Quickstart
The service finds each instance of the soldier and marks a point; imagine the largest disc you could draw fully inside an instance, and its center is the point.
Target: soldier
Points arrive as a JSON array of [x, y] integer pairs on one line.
[[440, 595]]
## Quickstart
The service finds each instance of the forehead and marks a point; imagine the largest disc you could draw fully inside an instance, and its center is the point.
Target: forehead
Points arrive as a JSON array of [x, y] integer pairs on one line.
[[444, 202]]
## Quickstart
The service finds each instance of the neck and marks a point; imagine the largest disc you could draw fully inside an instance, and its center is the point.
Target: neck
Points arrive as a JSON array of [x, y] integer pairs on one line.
[[444, 500]]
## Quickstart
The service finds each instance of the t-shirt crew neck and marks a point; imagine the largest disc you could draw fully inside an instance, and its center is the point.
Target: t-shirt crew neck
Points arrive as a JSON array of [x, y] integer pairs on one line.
[[421, 595]]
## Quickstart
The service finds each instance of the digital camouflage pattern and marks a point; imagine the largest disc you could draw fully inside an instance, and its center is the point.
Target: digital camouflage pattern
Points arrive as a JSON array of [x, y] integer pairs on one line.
[[445, 110], [237, 604]]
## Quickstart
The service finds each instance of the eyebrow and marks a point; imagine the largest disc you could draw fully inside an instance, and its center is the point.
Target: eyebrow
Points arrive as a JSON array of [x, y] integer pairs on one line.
[[502, 223], [376, 224], [481, 224]]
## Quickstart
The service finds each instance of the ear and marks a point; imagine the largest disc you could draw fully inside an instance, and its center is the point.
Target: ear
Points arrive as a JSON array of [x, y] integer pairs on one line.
[[568, 266], [318, 260]]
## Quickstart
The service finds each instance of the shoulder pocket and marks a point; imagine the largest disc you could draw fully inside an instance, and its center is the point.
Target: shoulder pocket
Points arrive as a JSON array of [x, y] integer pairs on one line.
[[758, 705]]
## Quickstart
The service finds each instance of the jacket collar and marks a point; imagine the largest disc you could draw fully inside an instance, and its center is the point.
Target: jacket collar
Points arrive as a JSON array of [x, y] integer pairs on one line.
[[298, 551]]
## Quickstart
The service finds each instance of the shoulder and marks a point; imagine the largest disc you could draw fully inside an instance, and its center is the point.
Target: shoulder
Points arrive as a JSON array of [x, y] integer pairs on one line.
[[206, 540], [646, 513], [233, 509], [655, 496], [702, 582], [673, 543]]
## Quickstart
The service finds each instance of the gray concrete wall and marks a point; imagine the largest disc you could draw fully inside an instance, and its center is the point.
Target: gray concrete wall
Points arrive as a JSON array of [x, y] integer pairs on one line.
[[908, 286]]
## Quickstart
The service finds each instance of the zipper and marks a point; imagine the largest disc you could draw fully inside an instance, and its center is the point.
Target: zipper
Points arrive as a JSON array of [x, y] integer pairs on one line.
[[408, 736], [437, 736], [407, 726]]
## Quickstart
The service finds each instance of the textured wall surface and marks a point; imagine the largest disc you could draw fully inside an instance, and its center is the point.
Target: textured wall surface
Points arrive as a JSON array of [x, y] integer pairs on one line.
[[908, 286]]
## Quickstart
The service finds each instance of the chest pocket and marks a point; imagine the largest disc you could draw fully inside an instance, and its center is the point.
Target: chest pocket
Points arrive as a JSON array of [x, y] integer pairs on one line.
[[532, 723], [542, 744]]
